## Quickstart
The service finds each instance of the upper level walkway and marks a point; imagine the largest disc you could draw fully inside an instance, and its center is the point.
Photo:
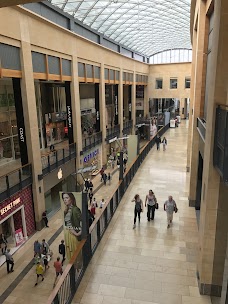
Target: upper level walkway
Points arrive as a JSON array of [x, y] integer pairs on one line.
[[148, 265]]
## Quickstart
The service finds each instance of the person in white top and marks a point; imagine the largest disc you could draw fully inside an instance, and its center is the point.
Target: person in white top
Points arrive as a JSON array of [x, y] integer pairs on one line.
[[170, 207], [150, 201]]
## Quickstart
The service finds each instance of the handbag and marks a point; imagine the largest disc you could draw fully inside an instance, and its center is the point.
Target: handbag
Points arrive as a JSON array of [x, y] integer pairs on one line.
[[156, 206], [175, 209]]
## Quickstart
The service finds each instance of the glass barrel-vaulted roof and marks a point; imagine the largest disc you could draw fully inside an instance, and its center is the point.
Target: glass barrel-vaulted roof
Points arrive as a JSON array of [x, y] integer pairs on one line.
[[145, 26]]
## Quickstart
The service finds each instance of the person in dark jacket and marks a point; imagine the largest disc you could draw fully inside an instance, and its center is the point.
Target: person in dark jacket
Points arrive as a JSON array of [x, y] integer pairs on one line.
[[90, 185], [45, 219], [86, 185], [3, 242], [158, 141], [62, 250], [90, 195]]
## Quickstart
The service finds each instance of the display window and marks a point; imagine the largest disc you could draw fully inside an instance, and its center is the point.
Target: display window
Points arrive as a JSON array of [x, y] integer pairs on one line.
[[17, 217], [9, 143]]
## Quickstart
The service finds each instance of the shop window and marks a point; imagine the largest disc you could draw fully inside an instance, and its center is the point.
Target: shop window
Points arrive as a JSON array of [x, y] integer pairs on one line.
[[158, 83], [66, 67], [111, 73], [89, 71], [187, 83], [10, 57], [173, 83], [9, 145], [124, 76], [106, 74], [96, 72], [54, 65], [81, 69], [117, 75], [39, 62], [131, 77]]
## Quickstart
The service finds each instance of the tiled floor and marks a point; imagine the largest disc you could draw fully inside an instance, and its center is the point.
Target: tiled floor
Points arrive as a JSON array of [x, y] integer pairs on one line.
[[150, 264]]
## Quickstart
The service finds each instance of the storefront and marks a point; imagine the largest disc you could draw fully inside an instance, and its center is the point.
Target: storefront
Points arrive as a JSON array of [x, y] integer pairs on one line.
[[111, 103], [12, 129], [89, 103], [127, 102], [58, 180], [139, 100], [17, 217], [54, 112]]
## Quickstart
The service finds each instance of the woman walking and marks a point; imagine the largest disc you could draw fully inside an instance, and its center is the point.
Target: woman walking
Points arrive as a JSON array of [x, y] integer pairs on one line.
[[164, 143], [138, 208], [170, 207], [150, 201]]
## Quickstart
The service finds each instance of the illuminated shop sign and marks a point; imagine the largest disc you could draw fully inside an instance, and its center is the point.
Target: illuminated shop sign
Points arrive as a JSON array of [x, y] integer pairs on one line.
[[91, 155], [10, 206]]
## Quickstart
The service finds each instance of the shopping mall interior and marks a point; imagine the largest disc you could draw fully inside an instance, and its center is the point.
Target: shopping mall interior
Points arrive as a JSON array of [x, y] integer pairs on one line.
[[131, 96]]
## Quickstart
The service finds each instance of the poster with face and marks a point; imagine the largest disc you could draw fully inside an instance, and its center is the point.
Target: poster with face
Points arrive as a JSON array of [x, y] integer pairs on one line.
[[74, 220]]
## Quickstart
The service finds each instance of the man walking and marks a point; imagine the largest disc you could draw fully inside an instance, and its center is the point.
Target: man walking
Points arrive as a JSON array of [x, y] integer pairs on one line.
[[62, 250], [58, 269], [158, 141], [170, 206], [45, 219], [39, 272], [9, 261]]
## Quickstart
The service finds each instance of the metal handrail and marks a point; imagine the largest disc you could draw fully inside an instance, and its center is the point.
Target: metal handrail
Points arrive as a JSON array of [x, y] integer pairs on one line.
[[15, 170]]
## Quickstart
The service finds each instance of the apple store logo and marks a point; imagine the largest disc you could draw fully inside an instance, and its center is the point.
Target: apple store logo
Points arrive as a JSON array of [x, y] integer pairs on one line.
[[60, 173]]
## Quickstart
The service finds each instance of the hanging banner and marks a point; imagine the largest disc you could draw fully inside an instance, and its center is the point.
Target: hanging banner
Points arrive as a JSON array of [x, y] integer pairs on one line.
[[74, 214], [19, 237]]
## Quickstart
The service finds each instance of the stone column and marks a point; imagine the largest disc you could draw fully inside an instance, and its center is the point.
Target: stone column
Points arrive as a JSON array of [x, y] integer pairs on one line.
[[103, 115], [214, 207], [31, 122], [120, 102], [133, 103], [197, 97]]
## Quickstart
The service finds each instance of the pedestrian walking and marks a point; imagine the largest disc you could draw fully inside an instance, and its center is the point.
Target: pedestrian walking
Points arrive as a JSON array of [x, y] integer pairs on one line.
[[58, 269], [62, 250], [45, 262], [109, 179], [9, 261], [158, 141], [93, 206], [90, 186], [44, 247], [45, 219], [90, 195], [138, 208], [3, 243], [164, 143], [37, 248], [90, 217], [39, 272], [150, 202], [105, 178], [170, 207], [102, 202], [86, 185], [101, 173]]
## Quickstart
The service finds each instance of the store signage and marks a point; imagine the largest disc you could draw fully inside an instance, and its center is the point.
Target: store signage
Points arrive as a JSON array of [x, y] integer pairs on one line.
[[21, 134], [129, 107], [86, 111], [86, 169], [91, 155], [10, 206], [60, 174], [19, 237], [98, 115], [69, 116], [116, 105]]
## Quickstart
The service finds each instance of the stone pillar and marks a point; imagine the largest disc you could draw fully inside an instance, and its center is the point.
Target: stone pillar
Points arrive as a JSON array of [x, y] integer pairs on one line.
[[31, 122], [120, 102], [103, 115], [146, 101], [76, 113], [198, 99], [214, 207], [133, 103]]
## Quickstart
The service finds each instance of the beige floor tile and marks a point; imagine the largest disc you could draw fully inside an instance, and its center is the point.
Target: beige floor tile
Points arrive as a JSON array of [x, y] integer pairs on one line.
[[196, 300], [111, 290]]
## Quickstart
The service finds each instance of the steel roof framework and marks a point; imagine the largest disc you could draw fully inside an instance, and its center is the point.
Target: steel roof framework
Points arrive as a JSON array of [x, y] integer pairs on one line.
[[145, 26]]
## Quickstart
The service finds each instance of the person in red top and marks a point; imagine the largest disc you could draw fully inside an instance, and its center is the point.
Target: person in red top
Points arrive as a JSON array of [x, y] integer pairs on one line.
[[58, 269]]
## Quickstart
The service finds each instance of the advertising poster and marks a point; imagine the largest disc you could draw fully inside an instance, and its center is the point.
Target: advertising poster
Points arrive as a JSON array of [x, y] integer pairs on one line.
[[74, 214], [19, 237]]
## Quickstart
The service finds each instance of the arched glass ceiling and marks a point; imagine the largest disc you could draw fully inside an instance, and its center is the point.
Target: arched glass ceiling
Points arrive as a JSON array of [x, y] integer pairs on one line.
[[145, 26]]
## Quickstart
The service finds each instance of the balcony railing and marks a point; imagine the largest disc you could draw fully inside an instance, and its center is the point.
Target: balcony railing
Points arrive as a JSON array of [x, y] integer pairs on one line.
[[69, 281], [112, 132], [56, 158], [15, 181], [91, 141], [201, 127], [142, 120], [127, 126], [220, 157]]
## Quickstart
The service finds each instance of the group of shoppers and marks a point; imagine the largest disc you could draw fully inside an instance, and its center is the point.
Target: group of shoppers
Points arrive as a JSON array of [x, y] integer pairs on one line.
[[151, 203], [105, 177]]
